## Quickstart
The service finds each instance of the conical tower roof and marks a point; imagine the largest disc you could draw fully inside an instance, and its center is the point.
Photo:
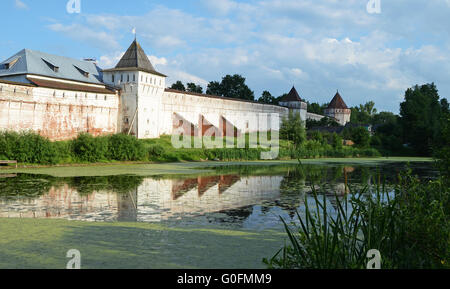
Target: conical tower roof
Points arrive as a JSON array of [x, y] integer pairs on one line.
[[135, 59], [337, 102], [291, 96]]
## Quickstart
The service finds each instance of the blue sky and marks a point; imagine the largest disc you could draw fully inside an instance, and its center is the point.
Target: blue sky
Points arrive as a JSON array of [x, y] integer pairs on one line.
[[317, 45]]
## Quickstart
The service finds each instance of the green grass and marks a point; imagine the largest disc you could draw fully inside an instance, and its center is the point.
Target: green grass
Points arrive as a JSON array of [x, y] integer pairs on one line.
[[187, 168], [28, 243]]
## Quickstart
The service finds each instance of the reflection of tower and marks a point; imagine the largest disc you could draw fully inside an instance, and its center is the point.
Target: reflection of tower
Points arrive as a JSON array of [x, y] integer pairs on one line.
[[127, 207]]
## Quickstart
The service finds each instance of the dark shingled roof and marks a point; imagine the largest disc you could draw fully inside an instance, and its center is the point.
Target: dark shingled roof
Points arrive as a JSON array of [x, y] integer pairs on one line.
[[135, 58], [337, 102], [292, 96]]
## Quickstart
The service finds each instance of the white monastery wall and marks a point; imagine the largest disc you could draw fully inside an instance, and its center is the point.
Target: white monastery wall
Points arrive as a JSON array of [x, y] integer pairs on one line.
[[57, 114]]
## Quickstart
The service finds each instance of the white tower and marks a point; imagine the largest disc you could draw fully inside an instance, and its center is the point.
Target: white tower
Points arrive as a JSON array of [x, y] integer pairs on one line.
[[295, 104], [142, 88]]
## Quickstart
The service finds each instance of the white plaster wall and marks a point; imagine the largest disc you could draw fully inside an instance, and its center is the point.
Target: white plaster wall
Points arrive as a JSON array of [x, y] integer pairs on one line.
[[57, 114], [191, 107]]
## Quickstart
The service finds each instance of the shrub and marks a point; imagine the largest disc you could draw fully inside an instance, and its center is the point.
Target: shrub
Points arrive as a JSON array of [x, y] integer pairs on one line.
[[27, 147], [156, 151], [87, 148], [123, 147]]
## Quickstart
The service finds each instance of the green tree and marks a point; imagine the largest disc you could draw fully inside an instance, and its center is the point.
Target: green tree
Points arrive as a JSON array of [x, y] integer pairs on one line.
[[232, 86], [421, 114], [317, 108], [192, 87], [359, 135], [363, 114], [267, 98], [293, 129], [214, 88], [178, 86]]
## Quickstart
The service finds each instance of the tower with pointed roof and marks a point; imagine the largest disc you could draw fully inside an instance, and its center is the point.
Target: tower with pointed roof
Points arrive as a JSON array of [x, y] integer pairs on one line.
[[142, 88], [296, 105], [338, 110]]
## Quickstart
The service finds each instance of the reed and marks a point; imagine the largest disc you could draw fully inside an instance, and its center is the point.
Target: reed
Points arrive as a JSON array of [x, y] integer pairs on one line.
[[409, 226]]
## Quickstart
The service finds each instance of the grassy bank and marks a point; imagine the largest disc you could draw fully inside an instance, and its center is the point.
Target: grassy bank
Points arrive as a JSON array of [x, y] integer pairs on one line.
[[31, 149], [187, 168], [27, 243]]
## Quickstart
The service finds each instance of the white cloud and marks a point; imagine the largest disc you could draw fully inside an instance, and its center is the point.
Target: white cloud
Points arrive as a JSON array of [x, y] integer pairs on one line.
[[319, 45], [99, 39], [20, 5]]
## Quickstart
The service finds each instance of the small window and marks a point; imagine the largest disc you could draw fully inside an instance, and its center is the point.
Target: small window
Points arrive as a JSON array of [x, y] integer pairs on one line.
[[83, 72], [121, 78], [134, 78], [112, 78], [128, 78], [51, 66], [10, 64]]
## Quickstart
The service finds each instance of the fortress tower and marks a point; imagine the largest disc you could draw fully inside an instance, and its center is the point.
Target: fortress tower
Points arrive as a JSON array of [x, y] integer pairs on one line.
[[295, 104], [338, 110], [142, 88]]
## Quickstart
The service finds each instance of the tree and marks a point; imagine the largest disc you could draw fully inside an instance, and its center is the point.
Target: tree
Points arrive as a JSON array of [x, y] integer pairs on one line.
[[363, 114], [317, 108], [192, 87], [214, 88], [421, 114], [293, 129], [361, 137], [267, 98], [232, 86], [178, 86]]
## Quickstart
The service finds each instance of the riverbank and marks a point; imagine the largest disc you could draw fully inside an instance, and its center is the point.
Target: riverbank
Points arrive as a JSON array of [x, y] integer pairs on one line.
[[183, 168]]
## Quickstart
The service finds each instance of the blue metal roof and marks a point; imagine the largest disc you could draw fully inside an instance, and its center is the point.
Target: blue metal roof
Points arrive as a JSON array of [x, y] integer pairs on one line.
[[39, 63]]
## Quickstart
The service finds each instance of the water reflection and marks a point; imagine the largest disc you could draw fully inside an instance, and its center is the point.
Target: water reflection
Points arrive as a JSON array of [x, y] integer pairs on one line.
[[239, 196]]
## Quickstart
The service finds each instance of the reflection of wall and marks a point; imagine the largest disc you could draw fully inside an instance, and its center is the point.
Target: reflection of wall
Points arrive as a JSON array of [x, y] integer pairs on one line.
[[153, 200], [204, 195], [63, 202], [126, 207]]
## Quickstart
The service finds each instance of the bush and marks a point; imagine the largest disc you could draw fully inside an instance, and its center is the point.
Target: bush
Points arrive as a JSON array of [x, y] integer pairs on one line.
[[87, 148], [27, 147], [156, 151], [123, 147]]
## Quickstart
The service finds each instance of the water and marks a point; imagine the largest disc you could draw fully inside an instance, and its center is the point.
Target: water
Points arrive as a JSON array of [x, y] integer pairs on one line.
[[243, 197]]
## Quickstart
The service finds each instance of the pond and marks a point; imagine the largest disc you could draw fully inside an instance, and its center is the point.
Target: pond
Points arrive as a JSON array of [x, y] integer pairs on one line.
[[235, 197]]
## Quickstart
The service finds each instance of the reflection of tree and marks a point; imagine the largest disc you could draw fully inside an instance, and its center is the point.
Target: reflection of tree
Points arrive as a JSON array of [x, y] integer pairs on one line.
[[27, 186], [235, 216], [118, 184]]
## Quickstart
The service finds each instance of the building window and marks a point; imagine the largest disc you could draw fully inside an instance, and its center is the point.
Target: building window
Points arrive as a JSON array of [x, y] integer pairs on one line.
[[128, 78], [121, 78], [134, 78], [112, 78]]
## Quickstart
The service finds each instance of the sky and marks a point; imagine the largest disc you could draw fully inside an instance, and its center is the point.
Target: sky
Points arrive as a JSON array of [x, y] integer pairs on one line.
[[320, 46]]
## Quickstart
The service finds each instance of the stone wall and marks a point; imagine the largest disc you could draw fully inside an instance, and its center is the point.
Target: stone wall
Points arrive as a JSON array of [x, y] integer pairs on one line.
[[215, 111], [57, 114]]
